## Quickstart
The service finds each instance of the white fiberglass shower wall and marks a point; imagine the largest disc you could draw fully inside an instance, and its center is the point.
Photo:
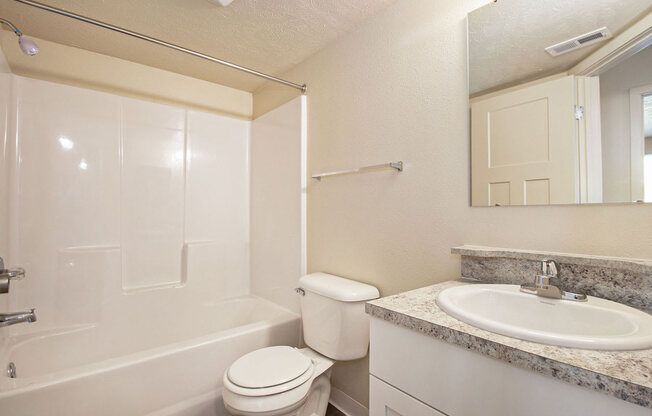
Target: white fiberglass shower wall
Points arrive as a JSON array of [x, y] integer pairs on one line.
[[101, 186], [131, 219]]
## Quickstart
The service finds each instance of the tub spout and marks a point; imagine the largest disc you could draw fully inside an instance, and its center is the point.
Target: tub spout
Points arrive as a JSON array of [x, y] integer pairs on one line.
[[7, 319]]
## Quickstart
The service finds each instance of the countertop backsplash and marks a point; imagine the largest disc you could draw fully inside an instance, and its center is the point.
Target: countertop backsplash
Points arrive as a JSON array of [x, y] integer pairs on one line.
[[624, 280]]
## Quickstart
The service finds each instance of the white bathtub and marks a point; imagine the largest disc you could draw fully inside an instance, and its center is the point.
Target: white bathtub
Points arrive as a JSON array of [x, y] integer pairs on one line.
[[140, 365]]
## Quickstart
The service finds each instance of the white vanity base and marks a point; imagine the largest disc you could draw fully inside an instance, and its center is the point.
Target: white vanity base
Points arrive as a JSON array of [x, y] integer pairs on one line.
[[418, 375]]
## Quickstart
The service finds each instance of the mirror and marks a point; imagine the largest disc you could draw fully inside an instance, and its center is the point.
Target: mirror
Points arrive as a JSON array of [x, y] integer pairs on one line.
[[560, 102]]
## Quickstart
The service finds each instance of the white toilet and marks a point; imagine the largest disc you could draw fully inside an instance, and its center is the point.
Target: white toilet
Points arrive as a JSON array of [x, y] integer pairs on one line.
[[288, 381]]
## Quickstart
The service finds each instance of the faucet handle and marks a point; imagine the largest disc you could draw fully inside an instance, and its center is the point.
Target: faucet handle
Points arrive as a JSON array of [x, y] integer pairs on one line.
[[7, 275], [12, 274], [549, 268]]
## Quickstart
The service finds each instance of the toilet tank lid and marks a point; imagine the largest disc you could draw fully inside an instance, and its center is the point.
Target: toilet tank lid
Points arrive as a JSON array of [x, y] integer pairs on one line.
[[338, 288]]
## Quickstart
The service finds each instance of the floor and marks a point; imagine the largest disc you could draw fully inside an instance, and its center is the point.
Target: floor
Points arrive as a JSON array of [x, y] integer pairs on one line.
[[333, 411]]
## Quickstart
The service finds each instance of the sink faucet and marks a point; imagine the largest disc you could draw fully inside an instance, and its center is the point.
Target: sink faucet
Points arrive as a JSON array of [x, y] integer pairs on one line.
[[542, 286], [7, 319]]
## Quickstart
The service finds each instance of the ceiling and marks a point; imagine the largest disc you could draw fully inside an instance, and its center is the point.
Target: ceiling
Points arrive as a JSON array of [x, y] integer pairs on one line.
[[507, 39], [265, 35]]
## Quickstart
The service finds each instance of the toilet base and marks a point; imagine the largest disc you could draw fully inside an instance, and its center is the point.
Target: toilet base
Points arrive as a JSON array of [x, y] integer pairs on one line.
[[314, 404], [317, 400]]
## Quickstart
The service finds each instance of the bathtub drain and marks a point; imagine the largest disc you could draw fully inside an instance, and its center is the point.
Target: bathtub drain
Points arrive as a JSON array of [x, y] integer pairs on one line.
[[11, 370]]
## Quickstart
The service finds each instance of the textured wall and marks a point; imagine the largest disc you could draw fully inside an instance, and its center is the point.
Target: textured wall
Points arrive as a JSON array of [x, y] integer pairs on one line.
[[396, 89]]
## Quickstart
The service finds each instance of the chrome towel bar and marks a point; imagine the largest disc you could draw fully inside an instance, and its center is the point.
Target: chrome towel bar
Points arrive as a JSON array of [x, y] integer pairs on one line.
[[391, 165]]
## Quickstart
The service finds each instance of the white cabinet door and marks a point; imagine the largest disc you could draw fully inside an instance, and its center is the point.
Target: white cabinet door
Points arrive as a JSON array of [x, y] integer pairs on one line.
[[385, 400], [524, 147]]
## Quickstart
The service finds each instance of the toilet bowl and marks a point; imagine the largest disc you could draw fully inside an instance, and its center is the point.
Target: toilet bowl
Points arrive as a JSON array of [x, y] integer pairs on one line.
[[286, 381], [276, 381]]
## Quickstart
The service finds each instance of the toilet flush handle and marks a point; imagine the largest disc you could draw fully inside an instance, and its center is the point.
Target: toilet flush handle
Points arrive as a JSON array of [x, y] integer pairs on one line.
[[300, 291]]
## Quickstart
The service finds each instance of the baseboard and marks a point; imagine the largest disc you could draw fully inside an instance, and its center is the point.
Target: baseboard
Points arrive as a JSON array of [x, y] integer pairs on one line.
[[346, 404]]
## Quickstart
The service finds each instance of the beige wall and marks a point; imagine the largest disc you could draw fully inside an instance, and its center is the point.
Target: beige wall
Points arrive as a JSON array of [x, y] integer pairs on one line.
[[615, 117], [81, 68], [396, 89]]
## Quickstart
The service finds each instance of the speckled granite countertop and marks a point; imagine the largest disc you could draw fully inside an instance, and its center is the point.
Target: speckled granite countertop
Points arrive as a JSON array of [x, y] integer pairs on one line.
[[626, 375]]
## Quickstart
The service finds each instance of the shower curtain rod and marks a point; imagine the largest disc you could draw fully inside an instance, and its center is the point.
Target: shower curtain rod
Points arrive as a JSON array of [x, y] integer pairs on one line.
[[162, 43]]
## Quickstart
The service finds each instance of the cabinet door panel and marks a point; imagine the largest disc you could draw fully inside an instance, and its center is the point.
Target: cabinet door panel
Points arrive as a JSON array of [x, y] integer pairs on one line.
[[385, 400]]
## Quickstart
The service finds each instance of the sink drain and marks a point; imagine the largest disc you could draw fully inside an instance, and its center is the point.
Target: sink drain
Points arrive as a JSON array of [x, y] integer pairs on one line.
[[11, 370]]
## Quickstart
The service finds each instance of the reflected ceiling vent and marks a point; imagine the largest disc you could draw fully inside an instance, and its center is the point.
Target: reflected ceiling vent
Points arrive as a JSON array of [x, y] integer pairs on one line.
[[223, 3], [578, 42]]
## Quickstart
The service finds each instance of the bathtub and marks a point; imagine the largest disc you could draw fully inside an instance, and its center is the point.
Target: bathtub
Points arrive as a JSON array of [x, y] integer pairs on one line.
[[163, 365]]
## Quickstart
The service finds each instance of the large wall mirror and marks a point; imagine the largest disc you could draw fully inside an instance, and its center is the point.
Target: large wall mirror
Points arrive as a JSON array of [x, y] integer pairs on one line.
[[561, 102]]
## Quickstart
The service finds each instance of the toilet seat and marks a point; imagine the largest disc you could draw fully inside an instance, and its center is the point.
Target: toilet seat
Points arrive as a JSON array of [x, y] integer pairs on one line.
[[268, 371], [279, 399]]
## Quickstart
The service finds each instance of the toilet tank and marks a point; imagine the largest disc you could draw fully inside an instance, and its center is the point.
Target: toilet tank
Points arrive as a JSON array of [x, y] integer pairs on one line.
[[334, 321]]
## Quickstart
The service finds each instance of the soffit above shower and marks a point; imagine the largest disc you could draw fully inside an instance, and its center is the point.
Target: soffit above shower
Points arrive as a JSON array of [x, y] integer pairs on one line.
[[512, 35], [269, 36]]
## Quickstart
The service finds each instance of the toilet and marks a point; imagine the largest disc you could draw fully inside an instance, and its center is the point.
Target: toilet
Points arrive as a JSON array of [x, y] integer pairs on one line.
[[287, 381]]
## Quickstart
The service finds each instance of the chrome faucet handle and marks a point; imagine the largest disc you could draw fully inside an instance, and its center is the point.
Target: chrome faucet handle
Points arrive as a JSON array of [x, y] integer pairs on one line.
[[543, 288], [7, 275], [12, 274], [542, 280], [549, 268]]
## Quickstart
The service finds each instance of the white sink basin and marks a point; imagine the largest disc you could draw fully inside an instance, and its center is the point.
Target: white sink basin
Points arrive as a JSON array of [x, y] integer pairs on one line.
[[597, 324]]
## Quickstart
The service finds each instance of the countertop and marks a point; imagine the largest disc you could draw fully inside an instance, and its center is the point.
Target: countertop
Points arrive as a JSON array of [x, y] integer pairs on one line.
[[626, 375]]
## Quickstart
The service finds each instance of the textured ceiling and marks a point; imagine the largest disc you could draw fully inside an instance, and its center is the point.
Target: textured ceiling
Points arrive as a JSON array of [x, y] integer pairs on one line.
[[266, 35], [507, 39]]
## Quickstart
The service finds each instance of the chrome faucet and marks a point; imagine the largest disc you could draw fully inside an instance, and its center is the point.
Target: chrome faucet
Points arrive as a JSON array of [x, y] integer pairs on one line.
[[542, 286], [7, 319], [7, 275]]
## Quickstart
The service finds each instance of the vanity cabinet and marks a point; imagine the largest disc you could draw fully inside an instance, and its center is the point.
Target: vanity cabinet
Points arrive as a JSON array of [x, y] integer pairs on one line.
[[389, 401], [414, 374]]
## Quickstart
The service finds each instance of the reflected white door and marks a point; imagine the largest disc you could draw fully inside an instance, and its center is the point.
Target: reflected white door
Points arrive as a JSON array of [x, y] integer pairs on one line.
[[524, 146]]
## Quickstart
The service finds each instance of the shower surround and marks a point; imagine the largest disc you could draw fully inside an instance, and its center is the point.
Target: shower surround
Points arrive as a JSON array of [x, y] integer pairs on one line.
[[132, 221]]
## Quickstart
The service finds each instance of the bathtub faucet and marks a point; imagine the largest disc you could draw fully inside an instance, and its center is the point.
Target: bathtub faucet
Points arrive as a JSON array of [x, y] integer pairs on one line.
[[7, 319]]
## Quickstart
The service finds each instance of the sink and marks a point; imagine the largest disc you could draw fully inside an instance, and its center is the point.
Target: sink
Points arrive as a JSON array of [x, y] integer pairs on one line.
[[597, 324]]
